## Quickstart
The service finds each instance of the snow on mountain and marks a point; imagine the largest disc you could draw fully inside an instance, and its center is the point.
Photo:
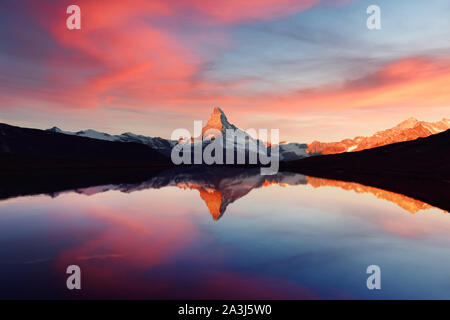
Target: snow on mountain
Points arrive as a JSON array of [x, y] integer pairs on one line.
[[407, 130], [95, 135], [86, 133], [217, 121], [293, 151], [162, 145]]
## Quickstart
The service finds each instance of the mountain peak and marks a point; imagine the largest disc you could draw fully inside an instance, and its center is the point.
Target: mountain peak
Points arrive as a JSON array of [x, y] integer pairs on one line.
[[409, 123], [217, 110], [218, 120]]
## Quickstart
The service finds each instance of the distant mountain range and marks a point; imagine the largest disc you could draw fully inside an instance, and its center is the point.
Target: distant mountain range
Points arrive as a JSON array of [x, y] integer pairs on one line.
[[410, 129]]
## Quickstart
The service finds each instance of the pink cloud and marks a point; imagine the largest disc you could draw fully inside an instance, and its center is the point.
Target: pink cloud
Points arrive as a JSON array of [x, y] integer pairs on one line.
[[131, 53]]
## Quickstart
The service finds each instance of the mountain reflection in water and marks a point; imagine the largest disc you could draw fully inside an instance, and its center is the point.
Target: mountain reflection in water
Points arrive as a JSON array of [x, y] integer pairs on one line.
[[219, 187]]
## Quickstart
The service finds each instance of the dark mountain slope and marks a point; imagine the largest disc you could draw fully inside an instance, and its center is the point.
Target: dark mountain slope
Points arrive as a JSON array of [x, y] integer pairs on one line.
[[23, 148]]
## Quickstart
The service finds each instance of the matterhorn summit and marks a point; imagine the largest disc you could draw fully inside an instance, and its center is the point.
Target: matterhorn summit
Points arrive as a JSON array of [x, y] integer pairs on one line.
[[218, 121]]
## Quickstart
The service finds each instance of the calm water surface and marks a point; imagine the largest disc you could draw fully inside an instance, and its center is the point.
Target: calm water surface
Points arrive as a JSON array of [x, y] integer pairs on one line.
[[289, 238]]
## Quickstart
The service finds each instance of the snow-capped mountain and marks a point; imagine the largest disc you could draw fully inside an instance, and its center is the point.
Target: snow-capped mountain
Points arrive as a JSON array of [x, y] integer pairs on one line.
[[216, 128], [407, 130], [217, 121], [287, 151]]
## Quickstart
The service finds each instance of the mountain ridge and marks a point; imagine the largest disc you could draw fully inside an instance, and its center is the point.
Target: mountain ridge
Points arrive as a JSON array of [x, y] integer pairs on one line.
[[162, 145], [407, 130], [217, 121]]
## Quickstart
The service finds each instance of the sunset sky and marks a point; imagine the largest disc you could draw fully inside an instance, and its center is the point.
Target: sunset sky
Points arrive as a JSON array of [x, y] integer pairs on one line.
[[308, 67]]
